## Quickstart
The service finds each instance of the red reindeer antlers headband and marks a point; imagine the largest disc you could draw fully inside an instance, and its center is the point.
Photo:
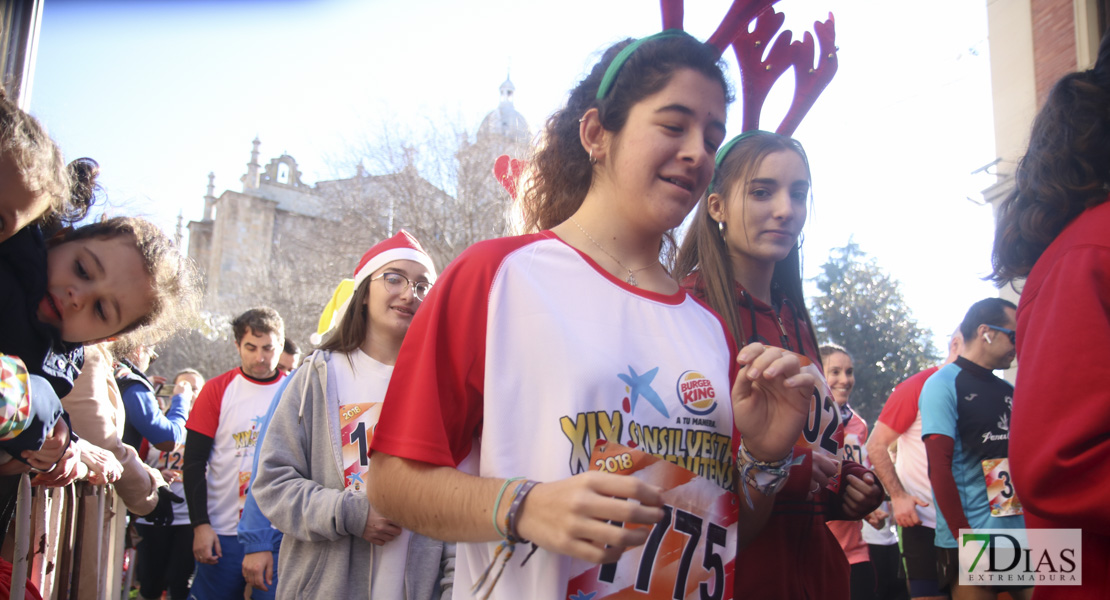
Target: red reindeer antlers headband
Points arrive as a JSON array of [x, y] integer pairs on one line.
[[757, 74]]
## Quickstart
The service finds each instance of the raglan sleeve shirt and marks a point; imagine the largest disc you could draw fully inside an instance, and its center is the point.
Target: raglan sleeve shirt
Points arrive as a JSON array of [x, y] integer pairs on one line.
[[938, 429], [201, 437], [900, 410]]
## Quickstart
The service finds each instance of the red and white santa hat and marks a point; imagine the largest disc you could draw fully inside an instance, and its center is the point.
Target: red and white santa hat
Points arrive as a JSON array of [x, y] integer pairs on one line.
[[402, 246]]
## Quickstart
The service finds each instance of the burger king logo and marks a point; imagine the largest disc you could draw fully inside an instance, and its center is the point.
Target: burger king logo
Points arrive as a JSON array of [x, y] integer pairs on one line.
[[697, 393]]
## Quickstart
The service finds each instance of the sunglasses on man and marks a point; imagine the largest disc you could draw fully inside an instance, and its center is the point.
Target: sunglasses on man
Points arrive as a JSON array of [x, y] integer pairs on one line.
[[1010, 333]]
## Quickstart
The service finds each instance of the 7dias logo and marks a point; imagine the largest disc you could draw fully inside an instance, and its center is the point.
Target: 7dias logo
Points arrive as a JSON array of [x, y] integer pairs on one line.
[[1020, 557]]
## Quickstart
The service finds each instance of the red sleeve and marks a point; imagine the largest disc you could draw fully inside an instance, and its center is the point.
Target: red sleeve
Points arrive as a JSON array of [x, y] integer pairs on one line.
[[1062, 403], [900, 409], [939, 449], [434, 405], [205, 417]]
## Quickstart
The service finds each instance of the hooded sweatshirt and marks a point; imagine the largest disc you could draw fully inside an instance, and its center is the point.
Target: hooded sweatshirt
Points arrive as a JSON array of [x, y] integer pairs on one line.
[[321, 506], [795, 556]]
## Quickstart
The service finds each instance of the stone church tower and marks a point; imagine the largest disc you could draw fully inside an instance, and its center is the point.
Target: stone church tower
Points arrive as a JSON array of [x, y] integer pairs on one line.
[[234, 242], [278, 239]]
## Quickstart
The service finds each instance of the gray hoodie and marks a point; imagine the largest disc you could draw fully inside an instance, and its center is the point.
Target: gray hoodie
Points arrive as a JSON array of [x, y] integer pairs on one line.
[[300, 488]]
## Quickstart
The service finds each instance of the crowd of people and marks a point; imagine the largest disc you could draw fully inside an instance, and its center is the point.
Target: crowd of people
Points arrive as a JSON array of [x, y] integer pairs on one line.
[[588, 410]]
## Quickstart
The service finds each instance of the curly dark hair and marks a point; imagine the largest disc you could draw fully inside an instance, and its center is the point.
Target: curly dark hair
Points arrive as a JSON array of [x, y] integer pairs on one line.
[[1065, 171], [260, 320], [561, 170], [39, 160]]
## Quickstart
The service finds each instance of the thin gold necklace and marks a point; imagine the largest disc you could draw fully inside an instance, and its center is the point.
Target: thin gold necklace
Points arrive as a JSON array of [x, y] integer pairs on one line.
[[631, 272]]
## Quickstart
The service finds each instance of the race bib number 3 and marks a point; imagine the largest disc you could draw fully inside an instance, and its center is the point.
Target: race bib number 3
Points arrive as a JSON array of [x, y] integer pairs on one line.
[[1000, 488], [689, 554]]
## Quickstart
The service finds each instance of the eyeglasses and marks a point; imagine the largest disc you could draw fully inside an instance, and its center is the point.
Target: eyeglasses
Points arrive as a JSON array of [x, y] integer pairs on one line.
[[395, 283], [1010, 333]]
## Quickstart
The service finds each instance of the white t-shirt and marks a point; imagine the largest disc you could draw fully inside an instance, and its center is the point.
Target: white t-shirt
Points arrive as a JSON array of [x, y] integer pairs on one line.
[[525, 354], [360, 383], [230, 410]]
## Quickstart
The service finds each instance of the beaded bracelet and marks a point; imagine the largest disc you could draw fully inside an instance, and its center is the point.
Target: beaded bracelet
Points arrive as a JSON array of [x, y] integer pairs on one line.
[[497, 504], [766, 477], [514, 510]]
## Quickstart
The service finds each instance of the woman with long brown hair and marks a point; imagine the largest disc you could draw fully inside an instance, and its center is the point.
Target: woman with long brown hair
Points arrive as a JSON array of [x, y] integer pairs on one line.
[[535, 354], [1052, 230], [310, 477], [742, 256]]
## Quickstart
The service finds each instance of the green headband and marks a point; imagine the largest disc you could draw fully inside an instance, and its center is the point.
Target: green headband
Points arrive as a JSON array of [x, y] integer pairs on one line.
[[723, 152], [621, 58]]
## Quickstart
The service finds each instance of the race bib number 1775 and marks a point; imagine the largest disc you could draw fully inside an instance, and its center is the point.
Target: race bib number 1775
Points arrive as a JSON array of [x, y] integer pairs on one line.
[[689, 554]]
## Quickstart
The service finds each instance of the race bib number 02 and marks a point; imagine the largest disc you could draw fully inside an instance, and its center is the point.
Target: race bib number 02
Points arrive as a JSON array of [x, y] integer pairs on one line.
[[823, 429], [688, 555], [1000, 488]]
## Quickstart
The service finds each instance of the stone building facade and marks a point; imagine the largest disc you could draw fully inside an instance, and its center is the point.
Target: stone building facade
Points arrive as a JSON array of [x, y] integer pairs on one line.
[[286, 243]]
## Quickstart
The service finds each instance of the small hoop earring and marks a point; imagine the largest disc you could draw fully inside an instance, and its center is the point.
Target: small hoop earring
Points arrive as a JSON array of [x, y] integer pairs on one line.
[[721, 227], [593, 161]]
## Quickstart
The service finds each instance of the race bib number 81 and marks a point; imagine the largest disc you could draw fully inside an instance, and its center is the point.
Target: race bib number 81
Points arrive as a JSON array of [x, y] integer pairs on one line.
[[689, 554]]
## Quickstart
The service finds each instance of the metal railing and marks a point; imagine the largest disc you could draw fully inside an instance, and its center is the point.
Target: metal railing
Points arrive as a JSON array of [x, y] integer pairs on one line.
[[69, 542]]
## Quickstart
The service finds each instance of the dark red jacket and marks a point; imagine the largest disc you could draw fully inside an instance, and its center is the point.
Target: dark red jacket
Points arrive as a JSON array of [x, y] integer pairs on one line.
[[1059, 449], [795, 556]]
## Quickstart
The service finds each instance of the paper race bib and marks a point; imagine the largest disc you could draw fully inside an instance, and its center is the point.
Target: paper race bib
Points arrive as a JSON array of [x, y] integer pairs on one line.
[[356, 430], [244, 486], [689, 554], [853, 450], [1000, 488], [823, 430], [168, 461]]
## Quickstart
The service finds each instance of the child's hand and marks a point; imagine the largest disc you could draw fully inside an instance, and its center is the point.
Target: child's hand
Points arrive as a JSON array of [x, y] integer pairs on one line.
[[52, 449], [68, 469]]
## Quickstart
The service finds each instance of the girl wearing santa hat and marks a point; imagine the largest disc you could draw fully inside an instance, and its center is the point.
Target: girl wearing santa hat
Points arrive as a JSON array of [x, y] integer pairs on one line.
[[311, 473]]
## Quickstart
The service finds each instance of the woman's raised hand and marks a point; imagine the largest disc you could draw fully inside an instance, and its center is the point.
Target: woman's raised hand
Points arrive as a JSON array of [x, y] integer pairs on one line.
[[770, 400]]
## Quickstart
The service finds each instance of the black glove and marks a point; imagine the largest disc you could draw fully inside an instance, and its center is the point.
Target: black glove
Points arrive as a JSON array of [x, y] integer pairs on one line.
[[163, 511]]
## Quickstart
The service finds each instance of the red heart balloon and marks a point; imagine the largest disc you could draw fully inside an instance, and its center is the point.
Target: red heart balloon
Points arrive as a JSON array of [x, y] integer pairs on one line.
[[507, 171]]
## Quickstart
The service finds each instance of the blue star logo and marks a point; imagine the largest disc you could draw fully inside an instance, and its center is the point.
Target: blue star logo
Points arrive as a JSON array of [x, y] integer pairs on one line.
[[640, 385], [582, 596], [353, 477]]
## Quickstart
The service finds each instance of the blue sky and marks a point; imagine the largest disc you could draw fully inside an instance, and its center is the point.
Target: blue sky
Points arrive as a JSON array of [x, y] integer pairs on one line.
[[162, 93]]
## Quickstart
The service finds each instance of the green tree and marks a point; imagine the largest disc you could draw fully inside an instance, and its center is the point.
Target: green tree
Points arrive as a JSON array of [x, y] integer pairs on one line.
[[862, 309]]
